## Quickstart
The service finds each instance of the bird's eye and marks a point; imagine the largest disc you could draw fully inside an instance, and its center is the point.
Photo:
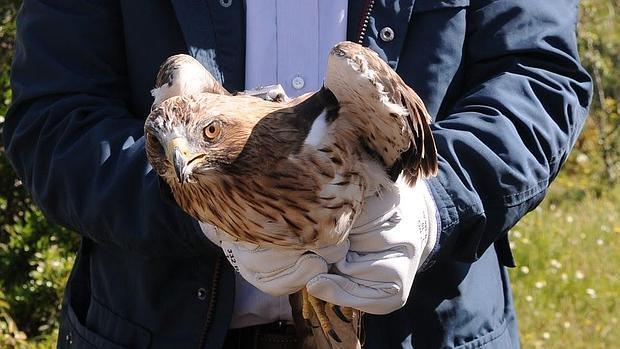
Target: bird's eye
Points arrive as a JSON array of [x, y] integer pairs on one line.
[[213, 130]]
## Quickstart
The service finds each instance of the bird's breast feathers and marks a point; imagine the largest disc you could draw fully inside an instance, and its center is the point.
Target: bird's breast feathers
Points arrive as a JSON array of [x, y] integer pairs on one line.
[[291, 174]]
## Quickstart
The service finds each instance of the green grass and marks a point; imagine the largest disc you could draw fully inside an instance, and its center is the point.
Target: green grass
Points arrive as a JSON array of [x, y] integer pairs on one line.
[[566, 285]]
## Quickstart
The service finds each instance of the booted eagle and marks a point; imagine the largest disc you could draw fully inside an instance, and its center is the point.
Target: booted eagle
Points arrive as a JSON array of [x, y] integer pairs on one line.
[[289, 174]]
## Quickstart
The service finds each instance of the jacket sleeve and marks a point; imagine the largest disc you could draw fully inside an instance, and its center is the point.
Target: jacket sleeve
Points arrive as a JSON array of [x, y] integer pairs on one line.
[[504, 141], [72, 140]]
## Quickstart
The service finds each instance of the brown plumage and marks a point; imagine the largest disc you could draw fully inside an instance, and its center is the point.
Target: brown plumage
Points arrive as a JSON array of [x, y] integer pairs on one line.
[[292, 174]]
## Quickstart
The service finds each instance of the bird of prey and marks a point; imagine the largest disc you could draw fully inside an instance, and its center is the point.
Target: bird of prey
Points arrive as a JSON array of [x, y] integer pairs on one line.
[[291, 174]]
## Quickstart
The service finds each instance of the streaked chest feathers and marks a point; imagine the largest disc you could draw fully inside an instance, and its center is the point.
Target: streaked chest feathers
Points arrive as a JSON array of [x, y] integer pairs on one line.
[[295, 173]]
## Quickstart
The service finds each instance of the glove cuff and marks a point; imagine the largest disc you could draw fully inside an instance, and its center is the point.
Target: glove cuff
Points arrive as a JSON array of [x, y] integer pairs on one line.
[[433, 223], [419, 199], [211, 233]]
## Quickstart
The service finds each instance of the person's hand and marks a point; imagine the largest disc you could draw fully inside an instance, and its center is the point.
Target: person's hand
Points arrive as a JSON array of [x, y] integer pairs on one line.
[[390, 240], [272, 270]]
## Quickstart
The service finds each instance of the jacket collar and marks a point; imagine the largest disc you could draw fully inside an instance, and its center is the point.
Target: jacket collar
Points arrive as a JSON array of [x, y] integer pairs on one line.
[[377, 15], [214, 32]]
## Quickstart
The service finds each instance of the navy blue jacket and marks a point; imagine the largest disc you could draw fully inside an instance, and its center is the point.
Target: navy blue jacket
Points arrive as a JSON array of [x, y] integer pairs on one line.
[[501, 78]]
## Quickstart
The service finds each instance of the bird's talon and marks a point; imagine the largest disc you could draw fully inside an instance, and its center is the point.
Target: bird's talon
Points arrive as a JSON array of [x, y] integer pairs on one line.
[[334, 336], [340, 314], [305, 305], [348, 312]]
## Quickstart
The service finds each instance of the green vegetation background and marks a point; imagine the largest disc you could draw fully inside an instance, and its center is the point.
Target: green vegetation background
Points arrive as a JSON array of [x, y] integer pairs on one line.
[[566, 286]]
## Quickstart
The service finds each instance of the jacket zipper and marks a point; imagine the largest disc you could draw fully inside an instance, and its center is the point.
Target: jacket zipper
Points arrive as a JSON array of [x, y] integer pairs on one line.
[[212, 298], [368, 6]]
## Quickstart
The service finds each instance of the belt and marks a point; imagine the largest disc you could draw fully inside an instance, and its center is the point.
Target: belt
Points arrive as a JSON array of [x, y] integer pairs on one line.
[[277, 335]]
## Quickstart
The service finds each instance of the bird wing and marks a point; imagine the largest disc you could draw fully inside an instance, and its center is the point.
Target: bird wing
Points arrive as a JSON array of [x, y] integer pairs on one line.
[[374, 99]]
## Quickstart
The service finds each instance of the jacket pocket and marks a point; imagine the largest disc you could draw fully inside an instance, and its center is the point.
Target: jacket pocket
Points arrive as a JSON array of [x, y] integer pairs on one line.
[[86, 323], [110, 325], [73, 334], [119, 333], [430, 5]]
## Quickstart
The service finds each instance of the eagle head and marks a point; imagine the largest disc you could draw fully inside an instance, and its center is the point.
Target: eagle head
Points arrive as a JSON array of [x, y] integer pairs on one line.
[[197, 135], [194, 127]]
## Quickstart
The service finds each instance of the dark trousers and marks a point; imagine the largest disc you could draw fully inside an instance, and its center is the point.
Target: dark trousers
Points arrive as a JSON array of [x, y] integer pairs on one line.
[[277, 335]]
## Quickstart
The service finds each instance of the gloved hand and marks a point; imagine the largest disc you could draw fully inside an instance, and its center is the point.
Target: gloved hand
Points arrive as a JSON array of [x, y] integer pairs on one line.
[[390, 240], [272, 270]]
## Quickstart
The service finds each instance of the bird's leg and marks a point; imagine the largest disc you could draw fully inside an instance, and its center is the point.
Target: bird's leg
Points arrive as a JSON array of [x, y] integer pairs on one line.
[[319, 309], [353, 316], [306, 308], [311, 303]]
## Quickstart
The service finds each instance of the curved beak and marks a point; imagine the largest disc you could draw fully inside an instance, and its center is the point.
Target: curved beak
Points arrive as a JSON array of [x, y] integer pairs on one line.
[[180, 165], [182, 159]]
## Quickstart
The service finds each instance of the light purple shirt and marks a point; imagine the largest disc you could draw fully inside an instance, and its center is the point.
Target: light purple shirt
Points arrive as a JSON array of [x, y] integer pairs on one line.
[[287, 42]]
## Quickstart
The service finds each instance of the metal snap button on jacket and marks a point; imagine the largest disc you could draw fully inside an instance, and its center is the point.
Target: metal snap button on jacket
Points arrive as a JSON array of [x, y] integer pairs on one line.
[[69, 338], [201, 294], [226, 3], [386, 34]]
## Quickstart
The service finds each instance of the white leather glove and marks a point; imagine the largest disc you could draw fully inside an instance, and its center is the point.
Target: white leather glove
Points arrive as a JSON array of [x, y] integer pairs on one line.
[[390, 240], [272, 270]]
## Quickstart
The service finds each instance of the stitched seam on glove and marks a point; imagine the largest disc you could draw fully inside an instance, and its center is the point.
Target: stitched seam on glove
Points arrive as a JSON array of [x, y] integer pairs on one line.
[[390, 291], [291, 268], [429, 261]]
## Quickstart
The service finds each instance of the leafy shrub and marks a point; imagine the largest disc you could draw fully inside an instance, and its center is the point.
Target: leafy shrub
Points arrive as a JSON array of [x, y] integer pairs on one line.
[[35, 256]]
